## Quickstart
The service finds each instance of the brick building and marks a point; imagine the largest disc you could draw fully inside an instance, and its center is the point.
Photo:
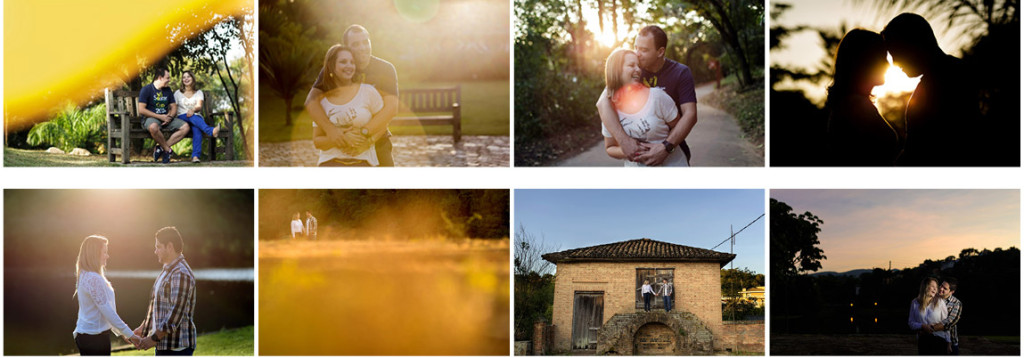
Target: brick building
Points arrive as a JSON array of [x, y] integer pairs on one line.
[[598, 306]]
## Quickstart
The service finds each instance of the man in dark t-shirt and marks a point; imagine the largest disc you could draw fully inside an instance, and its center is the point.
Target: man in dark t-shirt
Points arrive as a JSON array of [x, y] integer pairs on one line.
[[157, 106], [657, 71], [373, 71]]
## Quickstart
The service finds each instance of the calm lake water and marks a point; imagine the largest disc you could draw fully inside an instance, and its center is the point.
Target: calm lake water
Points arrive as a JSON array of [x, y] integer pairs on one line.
[[40, 312]]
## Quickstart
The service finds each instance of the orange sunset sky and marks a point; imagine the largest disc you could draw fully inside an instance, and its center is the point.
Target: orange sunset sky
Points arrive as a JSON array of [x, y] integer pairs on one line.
[[864, 229]]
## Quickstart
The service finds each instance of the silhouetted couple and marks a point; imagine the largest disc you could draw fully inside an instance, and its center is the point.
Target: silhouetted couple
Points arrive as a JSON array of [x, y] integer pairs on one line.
[[942, 116]]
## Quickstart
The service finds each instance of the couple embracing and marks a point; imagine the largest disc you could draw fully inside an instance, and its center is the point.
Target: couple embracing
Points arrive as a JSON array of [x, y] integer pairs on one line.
[[351, 103], [934, 315], [168, 324], [649, 104], [941, 116]]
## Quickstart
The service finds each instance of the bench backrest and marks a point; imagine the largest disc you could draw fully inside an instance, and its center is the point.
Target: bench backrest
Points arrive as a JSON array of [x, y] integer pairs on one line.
[[430, 100]]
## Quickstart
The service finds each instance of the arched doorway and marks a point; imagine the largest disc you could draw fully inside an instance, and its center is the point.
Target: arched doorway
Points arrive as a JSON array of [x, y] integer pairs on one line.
[[654, 338]]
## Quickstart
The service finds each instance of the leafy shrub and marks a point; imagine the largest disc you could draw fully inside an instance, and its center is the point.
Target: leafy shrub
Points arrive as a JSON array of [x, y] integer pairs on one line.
[[72, 128]]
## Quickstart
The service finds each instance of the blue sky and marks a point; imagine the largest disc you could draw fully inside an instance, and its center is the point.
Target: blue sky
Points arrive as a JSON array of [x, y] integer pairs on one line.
[[569, 219]]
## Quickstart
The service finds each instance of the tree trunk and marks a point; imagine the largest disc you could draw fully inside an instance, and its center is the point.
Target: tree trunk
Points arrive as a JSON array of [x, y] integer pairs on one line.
[[288, 111], [615, 22], [725, 27]]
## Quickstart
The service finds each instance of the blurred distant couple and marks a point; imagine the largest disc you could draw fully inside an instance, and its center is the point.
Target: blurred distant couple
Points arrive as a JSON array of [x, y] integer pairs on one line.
[[354, 98], [934, 315], [942, 116], [308, 229], [168, 324], [648, 105]]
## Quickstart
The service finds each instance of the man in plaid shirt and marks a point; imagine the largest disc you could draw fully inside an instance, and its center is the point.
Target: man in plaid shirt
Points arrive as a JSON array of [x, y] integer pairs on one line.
[[955, 307], [168, 325]]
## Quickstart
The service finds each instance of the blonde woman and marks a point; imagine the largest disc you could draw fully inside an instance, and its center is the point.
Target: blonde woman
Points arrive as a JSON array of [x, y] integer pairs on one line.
[[647, 292], [646, 114], [297, 227], [925, 310], [97, 311]]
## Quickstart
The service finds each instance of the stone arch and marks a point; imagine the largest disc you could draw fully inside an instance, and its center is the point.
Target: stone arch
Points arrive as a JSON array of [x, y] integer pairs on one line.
[[691, 337], [654, 338]]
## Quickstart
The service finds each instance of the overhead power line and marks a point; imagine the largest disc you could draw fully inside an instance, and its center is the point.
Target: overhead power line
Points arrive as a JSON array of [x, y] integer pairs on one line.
[[737, 233]]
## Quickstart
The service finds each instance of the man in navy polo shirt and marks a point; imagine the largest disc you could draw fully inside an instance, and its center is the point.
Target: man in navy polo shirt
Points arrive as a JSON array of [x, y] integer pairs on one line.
[[676, 79]]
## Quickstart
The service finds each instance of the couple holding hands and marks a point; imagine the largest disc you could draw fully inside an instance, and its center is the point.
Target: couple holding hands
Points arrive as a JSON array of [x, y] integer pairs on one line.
[[168, 325]]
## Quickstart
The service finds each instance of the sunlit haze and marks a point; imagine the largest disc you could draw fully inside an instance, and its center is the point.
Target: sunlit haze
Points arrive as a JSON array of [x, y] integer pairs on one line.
[[896, 82]]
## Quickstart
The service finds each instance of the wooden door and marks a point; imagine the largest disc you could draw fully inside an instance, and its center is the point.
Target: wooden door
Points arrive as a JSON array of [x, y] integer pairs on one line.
[[587, 317]]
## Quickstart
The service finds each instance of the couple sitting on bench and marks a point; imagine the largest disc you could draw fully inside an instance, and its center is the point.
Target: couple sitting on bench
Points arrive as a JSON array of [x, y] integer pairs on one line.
[[161, 113]]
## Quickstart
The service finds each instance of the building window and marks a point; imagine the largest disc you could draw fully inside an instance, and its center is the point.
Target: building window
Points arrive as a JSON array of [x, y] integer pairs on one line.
[[654, 276]]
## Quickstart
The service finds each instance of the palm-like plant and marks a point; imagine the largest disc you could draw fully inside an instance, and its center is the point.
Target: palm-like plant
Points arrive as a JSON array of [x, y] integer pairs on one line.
[[71, 128], [287, 60], [975, 16]]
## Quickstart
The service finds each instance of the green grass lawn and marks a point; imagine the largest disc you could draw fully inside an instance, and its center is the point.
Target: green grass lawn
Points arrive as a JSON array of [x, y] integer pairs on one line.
[[228, 342], [485, 111], [37, 158]]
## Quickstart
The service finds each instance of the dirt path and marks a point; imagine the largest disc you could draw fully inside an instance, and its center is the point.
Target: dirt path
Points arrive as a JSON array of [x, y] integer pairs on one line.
[[715, 142]]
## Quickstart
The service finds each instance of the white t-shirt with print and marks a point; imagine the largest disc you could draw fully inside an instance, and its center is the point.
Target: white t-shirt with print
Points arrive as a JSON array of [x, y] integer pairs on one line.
[[356, 113], [650, 124], [187, 103]]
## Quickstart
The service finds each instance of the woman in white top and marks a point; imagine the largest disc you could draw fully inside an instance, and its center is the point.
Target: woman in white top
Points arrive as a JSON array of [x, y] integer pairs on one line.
[[925, 310], [297, 227], [97, 311], [350, 106], [646, 114], [190, 101], [647, 292]]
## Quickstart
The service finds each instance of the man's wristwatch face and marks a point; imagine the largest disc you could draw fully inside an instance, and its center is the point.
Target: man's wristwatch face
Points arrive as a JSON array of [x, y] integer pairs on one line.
[[668, 146], [365, 131]]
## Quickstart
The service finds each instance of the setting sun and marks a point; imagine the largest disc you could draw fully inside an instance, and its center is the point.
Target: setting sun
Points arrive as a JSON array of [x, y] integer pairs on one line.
[[896, 82]]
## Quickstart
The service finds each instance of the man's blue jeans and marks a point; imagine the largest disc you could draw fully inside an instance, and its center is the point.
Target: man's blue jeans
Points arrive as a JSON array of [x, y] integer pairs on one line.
[[668, 302]]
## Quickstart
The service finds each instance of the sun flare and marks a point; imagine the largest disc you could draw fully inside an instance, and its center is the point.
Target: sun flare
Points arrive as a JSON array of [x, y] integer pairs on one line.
[[896, 82]]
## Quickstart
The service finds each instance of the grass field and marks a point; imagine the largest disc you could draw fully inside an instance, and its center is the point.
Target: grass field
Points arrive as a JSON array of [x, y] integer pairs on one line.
[[38, 158], [384, 297], [228, 342], [485, 111]]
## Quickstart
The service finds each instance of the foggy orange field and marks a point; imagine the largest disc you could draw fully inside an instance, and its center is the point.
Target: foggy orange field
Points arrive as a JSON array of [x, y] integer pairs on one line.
[[431, 297]]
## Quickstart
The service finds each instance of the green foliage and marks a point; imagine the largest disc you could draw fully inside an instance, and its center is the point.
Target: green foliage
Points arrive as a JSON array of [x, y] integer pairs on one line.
[[740, 309], [735, 280], [554, 92], [794, 241], [534, 298], [72, 128], [288, 59]]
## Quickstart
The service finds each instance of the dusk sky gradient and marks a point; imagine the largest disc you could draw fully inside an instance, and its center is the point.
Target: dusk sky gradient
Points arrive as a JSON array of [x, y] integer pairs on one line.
[[864, 229], [570, 219]]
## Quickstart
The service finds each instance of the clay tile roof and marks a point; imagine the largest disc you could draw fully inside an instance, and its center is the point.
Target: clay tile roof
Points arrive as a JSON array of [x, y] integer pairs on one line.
[[639, 250]]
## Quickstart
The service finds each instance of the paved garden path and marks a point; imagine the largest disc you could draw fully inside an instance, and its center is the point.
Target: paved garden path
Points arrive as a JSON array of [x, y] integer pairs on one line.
[[715, 141], [409, 151]]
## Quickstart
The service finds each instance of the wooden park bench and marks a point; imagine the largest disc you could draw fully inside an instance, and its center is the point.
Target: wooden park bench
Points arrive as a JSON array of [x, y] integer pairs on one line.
[[433, 100], [124, 124]]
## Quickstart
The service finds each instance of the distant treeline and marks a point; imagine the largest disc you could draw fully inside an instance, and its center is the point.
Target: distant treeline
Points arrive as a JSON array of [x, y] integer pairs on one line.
[[879, 301], [44, 228], [388, 213]]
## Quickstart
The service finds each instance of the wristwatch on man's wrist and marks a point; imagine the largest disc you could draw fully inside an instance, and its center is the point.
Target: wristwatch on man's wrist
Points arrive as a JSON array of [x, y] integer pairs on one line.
[[668, 146], [365, 132]]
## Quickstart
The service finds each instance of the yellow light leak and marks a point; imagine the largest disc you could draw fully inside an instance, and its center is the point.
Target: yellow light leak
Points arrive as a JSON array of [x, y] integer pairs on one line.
[[851, 304], [896, 82], [876, 319], [68, 50], [851, 319]]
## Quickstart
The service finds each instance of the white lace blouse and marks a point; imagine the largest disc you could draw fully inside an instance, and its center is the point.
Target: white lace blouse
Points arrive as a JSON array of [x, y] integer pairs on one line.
[[187, 103], [97, 311]]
